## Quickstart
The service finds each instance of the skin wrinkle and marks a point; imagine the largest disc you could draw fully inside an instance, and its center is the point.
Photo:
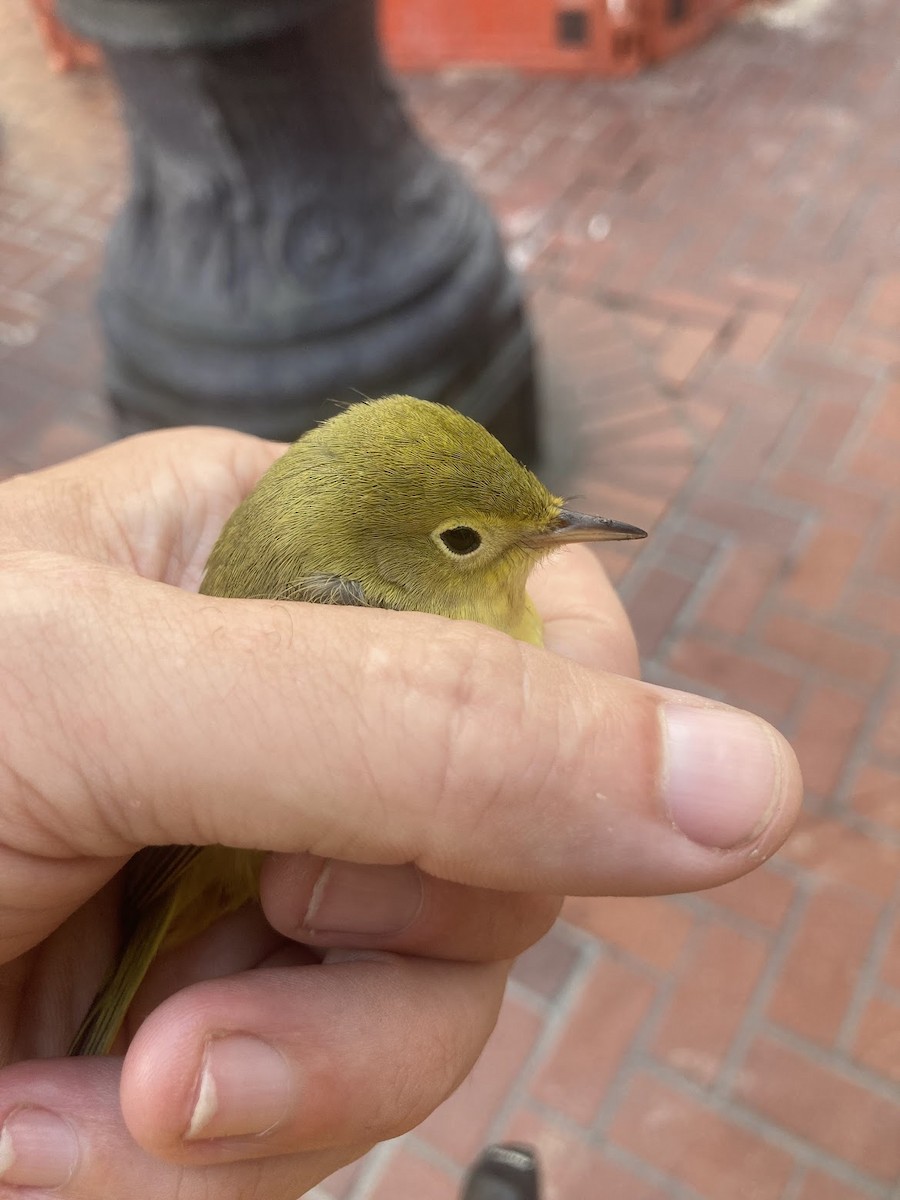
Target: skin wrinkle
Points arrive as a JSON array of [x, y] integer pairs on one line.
[[25, 725], [349, 698], [266, 641], [124, 544], [308, 712], [472, 705], [121, 795], [423, 696], [217, 503], [375, 671], [545, 757], [219, 500]]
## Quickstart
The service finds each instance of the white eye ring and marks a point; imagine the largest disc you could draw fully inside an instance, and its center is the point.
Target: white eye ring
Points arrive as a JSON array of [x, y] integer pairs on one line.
[[459, 541]]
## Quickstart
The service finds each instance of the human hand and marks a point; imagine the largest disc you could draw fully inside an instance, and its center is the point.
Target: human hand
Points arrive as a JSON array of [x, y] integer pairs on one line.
[[135, 712]]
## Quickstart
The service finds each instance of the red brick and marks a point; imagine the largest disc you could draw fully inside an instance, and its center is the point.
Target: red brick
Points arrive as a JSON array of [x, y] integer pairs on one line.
[[830, 850], [615, 364], [820, 575], [884, 309], [65, 351], [63, 440], [339, 1185], [886, 419], [824, 1107], [828, 427], [696, 1145], [884, 351], [886, 560], [459, 1127], [815, 643], [877, 607], [702, 414], [739, 590], [819, 1186], [708, 1004], [546, 966], [876, 795], [683, 349], [754, 439], [654, 607], [655, 463], [819, 975], [890, 964], [740, 679], [571, 1167], [630, 411], [648, 330], [837, 391], [633, 421], [887, 735], [648, 928], [826, 731], [877, 1043], [580, 1067], [756, 334], [617, 563], [762, 896], [825, 320], [769, 291], [840, 503], [691, 548], [754, 522], [691, 308], [410, 1175], [875, 463]]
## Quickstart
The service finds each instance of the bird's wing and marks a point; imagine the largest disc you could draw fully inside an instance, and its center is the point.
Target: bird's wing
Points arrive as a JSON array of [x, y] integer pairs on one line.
[[153, 872], [326, 589]]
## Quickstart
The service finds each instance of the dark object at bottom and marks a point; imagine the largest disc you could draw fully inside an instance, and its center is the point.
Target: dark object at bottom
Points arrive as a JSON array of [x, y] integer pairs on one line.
[[507, 1172]]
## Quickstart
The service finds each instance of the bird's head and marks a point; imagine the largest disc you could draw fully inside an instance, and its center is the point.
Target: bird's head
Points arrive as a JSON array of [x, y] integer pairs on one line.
[[428, 500], [415, 502]]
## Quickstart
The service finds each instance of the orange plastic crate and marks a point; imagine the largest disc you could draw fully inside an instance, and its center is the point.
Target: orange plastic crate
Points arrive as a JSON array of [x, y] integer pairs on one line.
[[673, 25], [584, 37]]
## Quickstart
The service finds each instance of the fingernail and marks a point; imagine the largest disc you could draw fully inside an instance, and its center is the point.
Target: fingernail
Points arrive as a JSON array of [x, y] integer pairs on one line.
[[353, 898], [720, 774], [38, 1149], [245, 1089]]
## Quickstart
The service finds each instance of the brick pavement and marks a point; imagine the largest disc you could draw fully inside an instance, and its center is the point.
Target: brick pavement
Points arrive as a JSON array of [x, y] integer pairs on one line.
[[713, 252]]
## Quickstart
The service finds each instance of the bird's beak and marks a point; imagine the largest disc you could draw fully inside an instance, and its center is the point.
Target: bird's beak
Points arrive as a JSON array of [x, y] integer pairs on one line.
[[579, 527]]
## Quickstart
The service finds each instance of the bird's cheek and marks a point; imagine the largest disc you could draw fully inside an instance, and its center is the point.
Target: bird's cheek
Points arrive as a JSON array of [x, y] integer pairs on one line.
[[417, 575]]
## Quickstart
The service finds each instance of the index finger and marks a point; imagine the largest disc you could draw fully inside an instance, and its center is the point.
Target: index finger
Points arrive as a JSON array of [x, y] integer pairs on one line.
[[378, 737], [154, 503]]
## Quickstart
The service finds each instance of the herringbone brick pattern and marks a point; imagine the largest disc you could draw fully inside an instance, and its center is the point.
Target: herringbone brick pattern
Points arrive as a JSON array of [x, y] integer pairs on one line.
[[713, 253]]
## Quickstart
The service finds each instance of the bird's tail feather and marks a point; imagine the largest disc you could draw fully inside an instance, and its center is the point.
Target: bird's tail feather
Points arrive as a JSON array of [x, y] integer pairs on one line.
[[104, 1018]]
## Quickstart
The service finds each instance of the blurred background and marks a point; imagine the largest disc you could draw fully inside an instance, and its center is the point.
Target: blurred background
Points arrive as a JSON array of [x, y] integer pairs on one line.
[[708, 230]]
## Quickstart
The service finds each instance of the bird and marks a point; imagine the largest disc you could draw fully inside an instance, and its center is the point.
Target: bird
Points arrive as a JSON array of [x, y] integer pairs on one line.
[[393, 503]]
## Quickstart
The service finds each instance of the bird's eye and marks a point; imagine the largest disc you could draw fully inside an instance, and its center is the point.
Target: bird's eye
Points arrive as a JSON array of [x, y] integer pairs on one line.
[[461, 539]]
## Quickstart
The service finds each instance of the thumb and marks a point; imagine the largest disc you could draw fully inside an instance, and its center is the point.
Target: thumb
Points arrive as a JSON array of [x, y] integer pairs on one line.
[[362, 735]]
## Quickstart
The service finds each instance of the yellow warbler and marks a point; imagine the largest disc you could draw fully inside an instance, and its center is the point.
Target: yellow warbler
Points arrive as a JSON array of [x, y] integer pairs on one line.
[[394, 503]]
